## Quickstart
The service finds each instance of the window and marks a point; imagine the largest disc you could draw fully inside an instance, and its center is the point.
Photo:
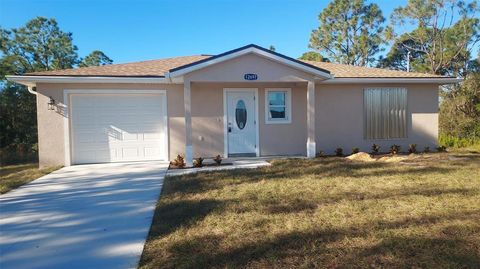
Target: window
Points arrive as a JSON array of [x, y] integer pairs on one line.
[[277, 106], [241, 114], [385, 113]]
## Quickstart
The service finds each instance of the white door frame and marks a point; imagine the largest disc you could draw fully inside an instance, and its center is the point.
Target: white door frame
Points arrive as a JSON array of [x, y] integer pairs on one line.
[[225, 115], [67, 110]]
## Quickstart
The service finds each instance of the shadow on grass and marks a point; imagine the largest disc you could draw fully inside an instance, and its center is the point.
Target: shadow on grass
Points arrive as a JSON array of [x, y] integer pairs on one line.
[[329, 248], [170, 216], [299, 205]]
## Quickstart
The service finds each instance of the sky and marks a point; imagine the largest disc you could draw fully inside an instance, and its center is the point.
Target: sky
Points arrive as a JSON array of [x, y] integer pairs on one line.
[[136, 30]]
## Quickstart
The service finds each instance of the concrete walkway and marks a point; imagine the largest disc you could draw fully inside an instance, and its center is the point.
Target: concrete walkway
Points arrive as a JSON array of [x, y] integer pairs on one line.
[[86, 216]]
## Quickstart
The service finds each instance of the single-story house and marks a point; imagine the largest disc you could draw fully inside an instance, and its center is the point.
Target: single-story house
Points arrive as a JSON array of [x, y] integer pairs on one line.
[[249, 101]]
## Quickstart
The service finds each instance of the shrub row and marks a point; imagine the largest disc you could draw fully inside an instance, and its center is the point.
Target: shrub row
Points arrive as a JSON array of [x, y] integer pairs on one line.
[[179, 162], [394, 149]]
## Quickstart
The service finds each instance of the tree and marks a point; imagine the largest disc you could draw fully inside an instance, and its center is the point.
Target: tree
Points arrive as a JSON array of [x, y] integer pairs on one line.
[[445, 33], [313, 56], [403, 56], [272, 48], [460, 109], [95, 58], [38, 46], [350, 32]]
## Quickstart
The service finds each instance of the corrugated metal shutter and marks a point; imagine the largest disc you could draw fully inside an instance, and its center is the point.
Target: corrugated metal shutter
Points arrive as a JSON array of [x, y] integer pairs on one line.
[[385, 113]]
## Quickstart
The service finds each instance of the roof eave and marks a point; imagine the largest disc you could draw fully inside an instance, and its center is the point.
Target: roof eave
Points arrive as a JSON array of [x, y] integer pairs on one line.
[[419, 80], [32, 80]]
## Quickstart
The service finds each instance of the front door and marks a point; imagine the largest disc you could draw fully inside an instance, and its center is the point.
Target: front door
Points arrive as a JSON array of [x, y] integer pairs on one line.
[[241, 122]]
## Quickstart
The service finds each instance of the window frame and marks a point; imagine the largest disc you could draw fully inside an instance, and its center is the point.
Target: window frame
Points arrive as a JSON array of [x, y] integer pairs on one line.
[[288, 106], [407, 111]]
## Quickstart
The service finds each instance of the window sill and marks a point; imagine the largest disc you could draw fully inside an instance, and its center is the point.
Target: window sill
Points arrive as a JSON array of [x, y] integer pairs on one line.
[[278, 122], [385, 139]]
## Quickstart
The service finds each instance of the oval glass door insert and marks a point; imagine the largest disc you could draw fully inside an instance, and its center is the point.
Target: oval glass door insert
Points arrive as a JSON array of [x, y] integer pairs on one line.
[[241, 114]]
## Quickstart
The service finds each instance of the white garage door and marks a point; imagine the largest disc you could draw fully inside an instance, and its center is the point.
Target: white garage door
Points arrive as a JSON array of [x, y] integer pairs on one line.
[[118, 127]]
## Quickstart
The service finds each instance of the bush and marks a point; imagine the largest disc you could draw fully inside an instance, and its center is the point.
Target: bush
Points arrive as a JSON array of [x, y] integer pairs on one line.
[[339, 152], [179, 162], [394, 149], [320, 154], [457, 142], [18, 153], [426, 149], [198, 162], [218, 159], [441, 148], [375, 148], [355, 150], [412, 148]]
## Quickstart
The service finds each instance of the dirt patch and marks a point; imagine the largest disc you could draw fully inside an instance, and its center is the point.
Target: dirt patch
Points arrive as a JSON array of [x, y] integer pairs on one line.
[[361, 156], [392, 159], [365, 157]]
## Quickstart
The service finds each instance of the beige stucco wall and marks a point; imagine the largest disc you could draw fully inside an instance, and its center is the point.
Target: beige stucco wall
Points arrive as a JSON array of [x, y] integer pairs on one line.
[[51, 123], [339, 117], [275, 139], [234, 69]]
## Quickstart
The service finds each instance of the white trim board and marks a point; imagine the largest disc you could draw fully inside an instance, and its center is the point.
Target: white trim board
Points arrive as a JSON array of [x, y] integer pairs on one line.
[[225, 124], [440, 81], [67, 93], [33, 80]]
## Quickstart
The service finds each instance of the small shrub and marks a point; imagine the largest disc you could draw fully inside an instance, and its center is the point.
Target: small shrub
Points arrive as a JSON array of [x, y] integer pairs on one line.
[[375, 148], [394, 149], [355, 150], [412, 148], [441, 148], [426, 149], [339, 152], [218, 159], [198, 162], [179, 162], [320, 154]]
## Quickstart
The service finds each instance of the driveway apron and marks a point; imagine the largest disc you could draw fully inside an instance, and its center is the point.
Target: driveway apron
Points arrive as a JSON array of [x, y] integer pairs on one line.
[[85, 216]]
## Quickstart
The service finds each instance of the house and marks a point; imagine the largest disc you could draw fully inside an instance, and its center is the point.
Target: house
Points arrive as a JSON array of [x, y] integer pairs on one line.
[[248, 101]]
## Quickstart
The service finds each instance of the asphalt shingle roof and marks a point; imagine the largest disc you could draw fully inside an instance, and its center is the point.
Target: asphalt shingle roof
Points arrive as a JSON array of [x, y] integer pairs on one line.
[[157, 68]]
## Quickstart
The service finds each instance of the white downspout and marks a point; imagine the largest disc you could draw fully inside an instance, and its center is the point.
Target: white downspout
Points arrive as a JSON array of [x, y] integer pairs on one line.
[[30, 90]]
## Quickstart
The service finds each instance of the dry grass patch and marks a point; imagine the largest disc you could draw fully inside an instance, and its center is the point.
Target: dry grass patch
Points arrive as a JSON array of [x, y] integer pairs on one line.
[[14, 176], [322, 213]]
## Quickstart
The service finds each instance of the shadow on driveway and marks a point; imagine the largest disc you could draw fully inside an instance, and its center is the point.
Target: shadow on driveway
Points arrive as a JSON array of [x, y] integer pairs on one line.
[[86, 216]]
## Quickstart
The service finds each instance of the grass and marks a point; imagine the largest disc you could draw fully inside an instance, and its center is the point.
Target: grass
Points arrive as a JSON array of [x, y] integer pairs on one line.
[[14, 176], [322, 213]]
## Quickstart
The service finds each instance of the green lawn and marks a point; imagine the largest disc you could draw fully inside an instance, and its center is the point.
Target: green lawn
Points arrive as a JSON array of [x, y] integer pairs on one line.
[[14, 176], [322, 213]]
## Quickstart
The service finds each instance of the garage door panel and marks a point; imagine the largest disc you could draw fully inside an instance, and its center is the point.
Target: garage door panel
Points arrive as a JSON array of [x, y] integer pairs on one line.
[[152, 151], [118, 127]]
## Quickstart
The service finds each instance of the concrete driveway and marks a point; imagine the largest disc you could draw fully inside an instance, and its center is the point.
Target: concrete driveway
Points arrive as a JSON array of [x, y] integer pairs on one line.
[[86, 216]]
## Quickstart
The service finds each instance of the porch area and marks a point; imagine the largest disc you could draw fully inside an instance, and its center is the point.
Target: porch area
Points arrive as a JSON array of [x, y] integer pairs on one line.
[[258, 119]]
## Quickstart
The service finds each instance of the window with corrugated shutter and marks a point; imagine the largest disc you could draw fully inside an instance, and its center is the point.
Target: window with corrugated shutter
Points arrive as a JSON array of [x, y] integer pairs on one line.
[[385, 113]]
